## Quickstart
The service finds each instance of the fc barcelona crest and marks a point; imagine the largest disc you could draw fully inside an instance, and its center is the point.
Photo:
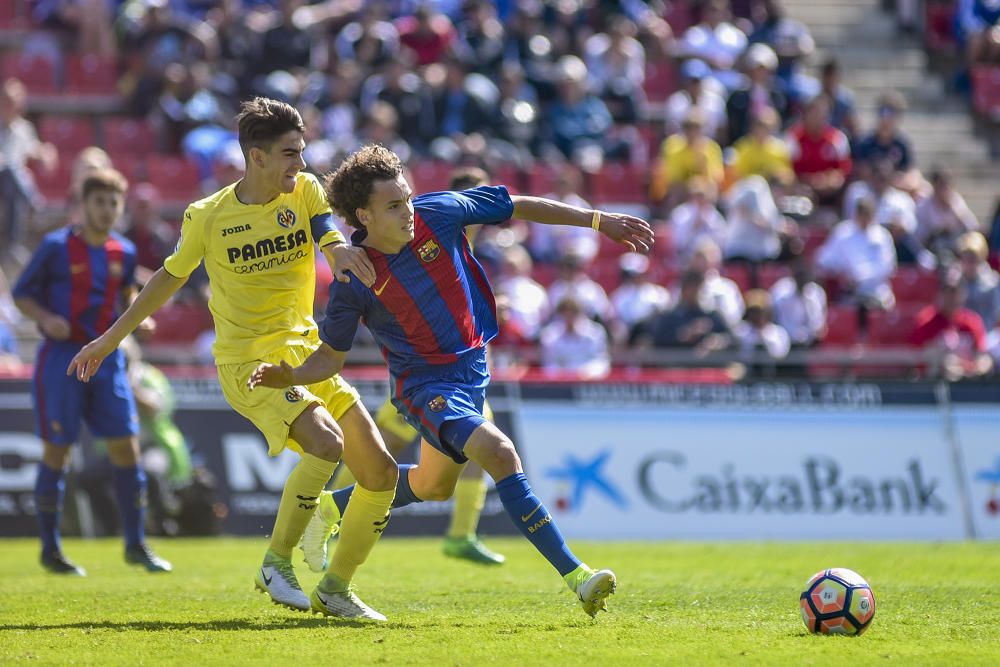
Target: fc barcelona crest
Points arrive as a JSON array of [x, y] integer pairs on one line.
[[429, 251], [437, 404], [115, 269], [286, 217]]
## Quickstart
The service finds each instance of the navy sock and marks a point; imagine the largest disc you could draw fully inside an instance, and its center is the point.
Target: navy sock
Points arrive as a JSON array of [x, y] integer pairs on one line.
[[404, 494], [535, 523], [130, 492], [50, 488]]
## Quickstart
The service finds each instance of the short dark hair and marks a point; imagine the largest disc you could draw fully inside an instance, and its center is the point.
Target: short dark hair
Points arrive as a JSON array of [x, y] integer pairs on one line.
[[350, 187], [468, 177], [262, 120], [108, 180]]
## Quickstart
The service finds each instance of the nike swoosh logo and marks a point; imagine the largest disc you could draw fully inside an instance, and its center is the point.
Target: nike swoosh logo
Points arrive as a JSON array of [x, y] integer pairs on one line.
[[321, 600], [524, 519], [379, 290], [267, 579], [382, 522]]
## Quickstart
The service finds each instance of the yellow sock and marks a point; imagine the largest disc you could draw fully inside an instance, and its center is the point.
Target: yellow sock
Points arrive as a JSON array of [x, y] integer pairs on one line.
[[470, 497], [365, 518], [343, 479], [298, 501]]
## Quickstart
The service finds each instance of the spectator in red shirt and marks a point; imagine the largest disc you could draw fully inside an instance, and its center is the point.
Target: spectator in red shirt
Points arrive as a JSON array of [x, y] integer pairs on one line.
[[954, 330], [428, 33], [821, 154]]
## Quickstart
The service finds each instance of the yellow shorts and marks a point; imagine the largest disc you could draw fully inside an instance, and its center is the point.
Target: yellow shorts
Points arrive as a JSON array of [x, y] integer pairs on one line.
[[389, 420], [272, 411]]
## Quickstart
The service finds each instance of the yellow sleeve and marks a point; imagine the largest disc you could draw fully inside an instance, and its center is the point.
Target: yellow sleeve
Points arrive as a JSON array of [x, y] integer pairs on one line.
[[665, 173], [190, 248], [715, 167]]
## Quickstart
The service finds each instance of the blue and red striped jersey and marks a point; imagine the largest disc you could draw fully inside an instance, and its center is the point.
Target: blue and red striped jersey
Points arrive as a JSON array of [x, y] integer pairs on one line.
[[431, 305], [82, 283]]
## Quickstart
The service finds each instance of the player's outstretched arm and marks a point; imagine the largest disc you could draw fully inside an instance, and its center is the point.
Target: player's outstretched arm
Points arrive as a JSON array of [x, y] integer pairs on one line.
[[156, 292], [324, 363], [627, 229]]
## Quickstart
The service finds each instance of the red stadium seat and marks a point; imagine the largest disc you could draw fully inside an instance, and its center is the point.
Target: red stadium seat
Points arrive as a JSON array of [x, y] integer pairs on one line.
[[893, 327], [69, 134], [91, 75], [841, 325], [739, 274], [54, 185], [986, 90], [661, 81], [129, 136], [175, 178], [606, 272], [37, 74], [430, 176], [542, 179], [510, 176], [913, 286], [768, 274], [544, 274], [667, 275], [619, 183], [813, 236], [939, 19], [181, 322]]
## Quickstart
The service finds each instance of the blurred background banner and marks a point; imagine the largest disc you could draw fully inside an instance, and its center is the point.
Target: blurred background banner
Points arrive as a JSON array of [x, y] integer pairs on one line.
[[635, 460]]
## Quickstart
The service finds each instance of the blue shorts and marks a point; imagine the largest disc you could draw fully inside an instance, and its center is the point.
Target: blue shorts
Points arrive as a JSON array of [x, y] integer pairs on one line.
[[445, 414], [62, 402]]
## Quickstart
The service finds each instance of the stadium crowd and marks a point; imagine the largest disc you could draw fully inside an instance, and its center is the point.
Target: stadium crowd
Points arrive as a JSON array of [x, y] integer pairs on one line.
[[783, 223]]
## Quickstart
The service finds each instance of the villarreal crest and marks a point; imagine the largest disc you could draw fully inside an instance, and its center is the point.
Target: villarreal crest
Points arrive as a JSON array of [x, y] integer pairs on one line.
[[429, 251], [286, 217]]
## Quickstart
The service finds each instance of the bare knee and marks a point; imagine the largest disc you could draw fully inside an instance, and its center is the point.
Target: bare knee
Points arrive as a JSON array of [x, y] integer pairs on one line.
[[379, 473], [499, 458], [438, 489], [319, 434]]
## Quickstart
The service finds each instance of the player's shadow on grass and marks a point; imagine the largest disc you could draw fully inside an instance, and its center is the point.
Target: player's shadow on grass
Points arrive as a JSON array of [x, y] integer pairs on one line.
[[207, 626]]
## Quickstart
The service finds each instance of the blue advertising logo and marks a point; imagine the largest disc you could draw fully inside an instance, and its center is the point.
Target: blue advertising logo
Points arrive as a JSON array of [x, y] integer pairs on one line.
[[583, 475], [992, 477]]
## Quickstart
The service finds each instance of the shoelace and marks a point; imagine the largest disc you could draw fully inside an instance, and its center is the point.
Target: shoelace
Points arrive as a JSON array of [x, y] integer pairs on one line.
[[284, 568]]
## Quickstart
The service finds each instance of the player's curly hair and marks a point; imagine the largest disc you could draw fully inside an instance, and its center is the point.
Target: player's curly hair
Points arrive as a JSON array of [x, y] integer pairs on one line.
[[105, 180], [350, 187], [262, 120]]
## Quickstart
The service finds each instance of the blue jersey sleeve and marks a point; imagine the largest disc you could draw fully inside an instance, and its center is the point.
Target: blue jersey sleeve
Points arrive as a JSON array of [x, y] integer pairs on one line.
[[33, 280], [343, 313], [485, 205], [131, 260]]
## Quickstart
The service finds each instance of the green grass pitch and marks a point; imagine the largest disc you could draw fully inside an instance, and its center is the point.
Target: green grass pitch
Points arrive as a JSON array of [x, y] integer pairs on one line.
[[677, 604]]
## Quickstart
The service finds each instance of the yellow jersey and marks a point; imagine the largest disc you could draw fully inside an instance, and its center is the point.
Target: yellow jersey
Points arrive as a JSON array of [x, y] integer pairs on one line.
[[260, 260]]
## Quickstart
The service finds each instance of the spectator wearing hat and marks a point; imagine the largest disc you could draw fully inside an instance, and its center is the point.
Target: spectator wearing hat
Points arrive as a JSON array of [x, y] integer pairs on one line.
[[696, 220], [758, 335], [800, 307], [887, 142], [821, 154], [636, 298], [761, 153], [980, 281], [943, 217], [574, 343], [954, 330], [686, 156], [792, 43], [695, 92], [861, 256], [757, 94], [716, 41]]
